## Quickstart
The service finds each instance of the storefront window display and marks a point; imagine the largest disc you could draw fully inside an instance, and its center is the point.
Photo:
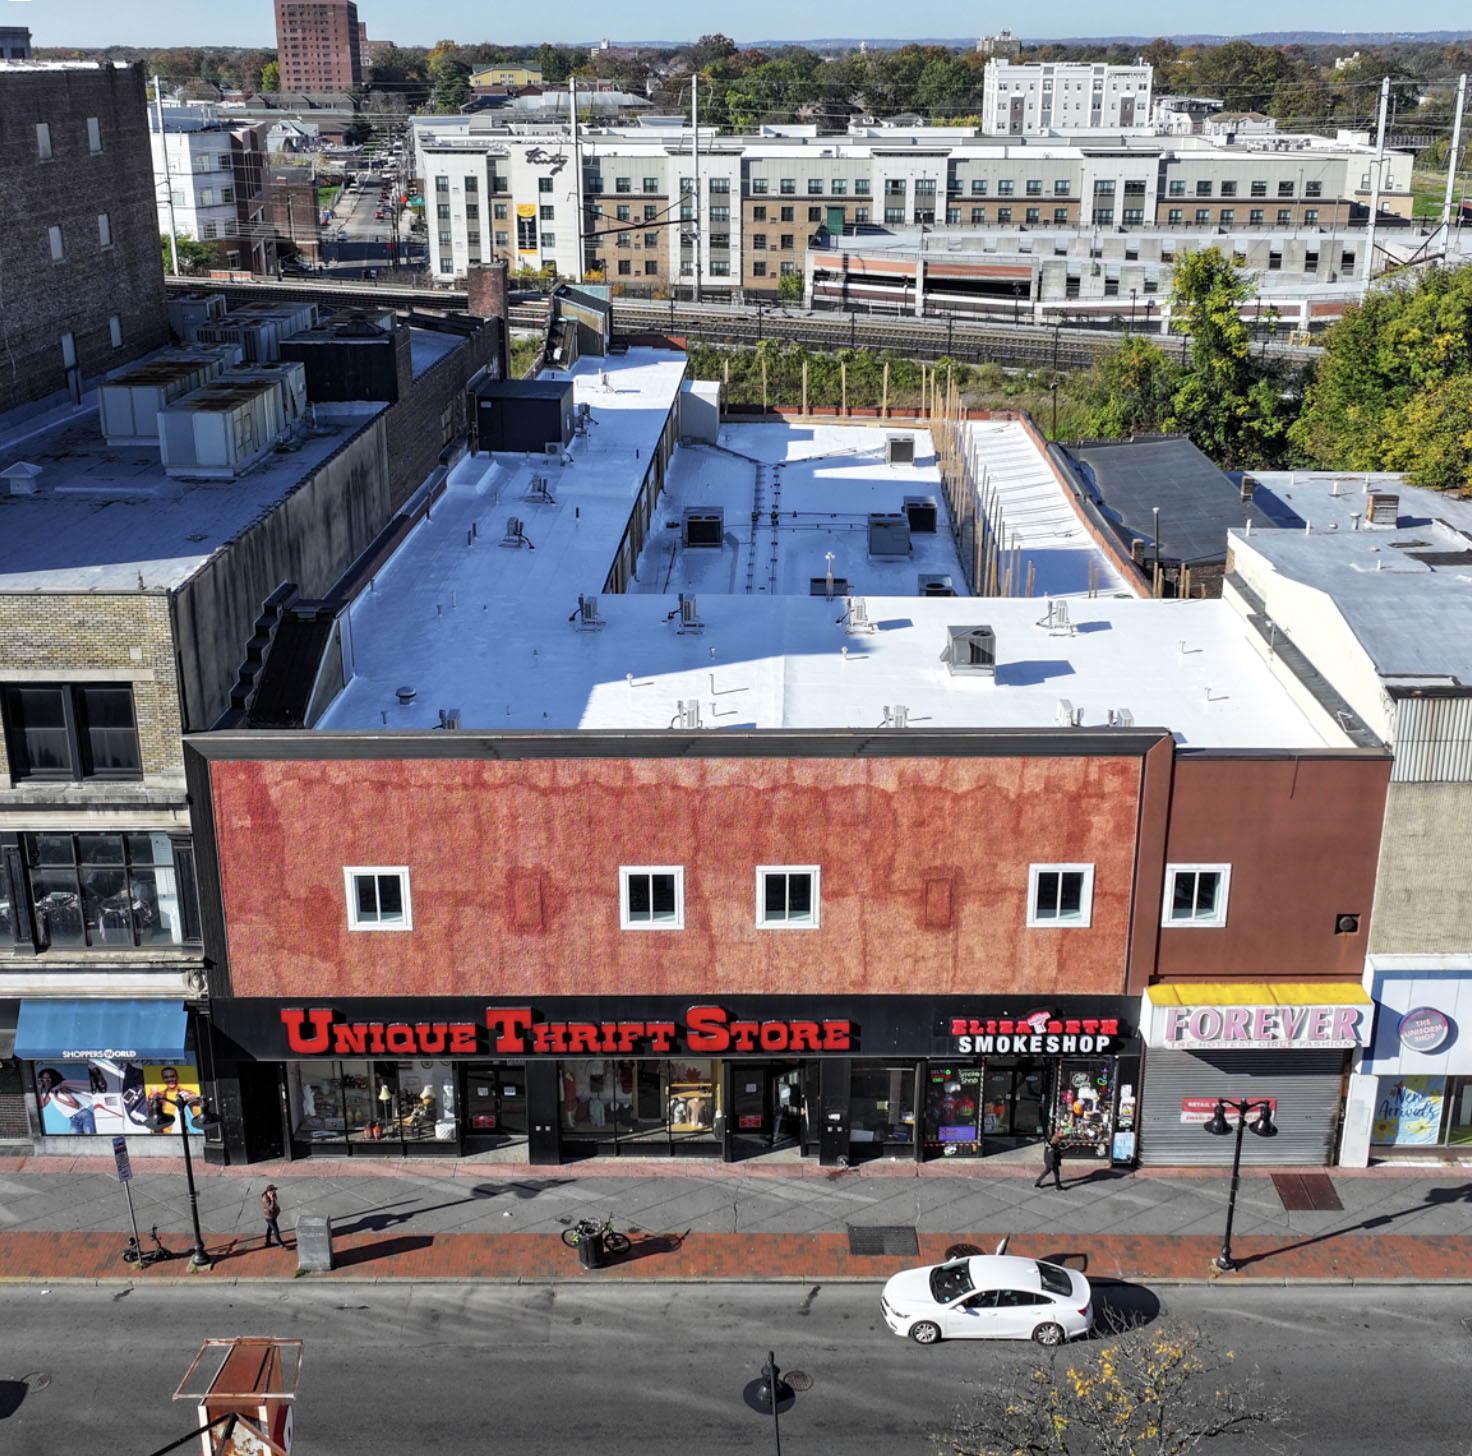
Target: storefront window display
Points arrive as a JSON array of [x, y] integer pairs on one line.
[[1409, 1111], [621, 1099], [361, 1102], [1085, 1110], [106, 1098], [882, 1109], [953, 1111]]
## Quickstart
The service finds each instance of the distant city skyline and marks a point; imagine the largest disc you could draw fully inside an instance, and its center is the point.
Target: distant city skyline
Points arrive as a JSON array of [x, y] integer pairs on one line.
[[206, 22]]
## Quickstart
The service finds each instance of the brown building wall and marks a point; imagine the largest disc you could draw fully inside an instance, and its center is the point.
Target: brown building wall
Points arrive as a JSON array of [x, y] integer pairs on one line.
[[317, 45], [42, 299], [1302, 835], [514, 873]]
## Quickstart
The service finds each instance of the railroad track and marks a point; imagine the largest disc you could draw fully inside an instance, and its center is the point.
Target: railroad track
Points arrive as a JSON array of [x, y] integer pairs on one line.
[[1012, 345]]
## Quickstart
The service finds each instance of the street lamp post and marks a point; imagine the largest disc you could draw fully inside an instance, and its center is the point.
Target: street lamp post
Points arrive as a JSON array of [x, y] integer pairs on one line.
[[159, 1122], [1219, 1127]]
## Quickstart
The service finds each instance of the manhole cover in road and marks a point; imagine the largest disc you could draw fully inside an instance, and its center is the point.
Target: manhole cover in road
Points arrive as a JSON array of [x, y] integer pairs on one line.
[[798, 1379], [36, 1380], [883, 1239]]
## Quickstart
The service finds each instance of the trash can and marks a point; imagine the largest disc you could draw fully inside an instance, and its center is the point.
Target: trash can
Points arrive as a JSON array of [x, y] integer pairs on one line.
[[314, 1243], [590, 1249]]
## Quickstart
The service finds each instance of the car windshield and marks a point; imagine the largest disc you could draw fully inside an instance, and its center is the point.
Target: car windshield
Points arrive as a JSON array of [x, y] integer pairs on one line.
[[1054, 1279], [950, 1281]]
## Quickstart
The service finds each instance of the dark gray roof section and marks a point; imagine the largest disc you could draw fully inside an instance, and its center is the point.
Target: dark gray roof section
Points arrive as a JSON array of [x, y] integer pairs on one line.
[[523, 388], [1198, 504], [576, 298], [290, 745]]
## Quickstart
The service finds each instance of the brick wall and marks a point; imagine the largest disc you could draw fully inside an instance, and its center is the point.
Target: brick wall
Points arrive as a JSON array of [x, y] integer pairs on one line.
[[40, 300], [46, 637], [431, 412]]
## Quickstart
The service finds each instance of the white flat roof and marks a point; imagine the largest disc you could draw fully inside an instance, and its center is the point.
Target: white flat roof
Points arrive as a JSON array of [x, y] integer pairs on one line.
[[492, 630]]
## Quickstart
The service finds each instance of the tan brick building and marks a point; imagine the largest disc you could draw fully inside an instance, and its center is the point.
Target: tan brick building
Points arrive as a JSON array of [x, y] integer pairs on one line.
[[318, 45]]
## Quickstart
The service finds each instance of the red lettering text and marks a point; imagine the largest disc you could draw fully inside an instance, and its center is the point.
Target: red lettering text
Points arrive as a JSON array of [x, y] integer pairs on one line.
[[400, 1038], [706, 1029], [509, 1023], [307, 1046], [431, 1037], [836, 1036], [661, 1035], [347, 1040], [462, 1039], [806, 1036]]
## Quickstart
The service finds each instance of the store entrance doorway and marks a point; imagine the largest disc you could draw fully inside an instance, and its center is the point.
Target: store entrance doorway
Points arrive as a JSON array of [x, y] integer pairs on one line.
[[1016, 1095], [767, 1101]]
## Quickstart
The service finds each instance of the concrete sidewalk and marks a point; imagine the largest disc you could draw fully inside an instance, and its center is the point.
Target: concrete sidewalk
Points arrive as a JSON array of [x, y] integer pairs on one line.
[[67, 1219]]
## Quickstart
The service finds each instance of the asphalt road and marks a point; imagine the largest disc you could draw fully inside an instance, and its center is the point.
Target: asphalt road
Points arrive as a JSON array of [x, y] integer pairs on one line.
[[662, 1371]]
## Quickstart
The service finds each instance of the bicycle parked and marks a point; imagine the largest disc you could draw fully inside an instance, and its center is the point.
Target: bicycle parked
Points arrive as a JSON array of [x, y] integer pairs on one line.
[[588, 1228]]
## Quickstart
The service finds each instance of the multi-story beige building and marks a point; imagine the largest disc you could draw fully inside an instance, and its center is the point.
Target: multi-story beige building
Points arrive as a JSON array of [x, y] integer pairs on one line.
[[636, 207], [318, 45], [1044, 97]]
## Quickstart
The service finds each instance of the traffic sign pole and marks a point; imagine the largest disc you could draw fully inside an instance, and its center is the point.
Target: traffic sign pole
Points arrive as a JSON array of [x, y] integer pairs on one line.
[[125, 1177]]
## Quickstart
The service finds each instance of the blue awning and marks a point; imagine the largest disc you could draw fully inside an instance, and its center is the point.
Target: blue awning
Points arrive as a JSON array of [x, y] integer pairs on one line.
[[80, 1031]]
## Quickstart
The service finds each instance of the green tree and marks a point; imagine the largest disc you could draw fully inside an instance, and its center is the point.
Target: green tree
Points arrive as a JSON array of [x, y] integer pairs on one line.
[[450, 78], [1228, 402], [1386, 392], [1129, 391], [553, 64], [789, 287], [194, 257], [271, 76]]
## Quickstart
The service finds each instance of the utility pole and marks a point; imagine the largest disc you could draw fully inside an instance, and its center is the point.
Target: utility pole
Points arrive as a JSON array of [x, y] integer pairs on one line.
[[1451, 161], [695, 154], [577, 174], [1375, 188], [163, 147]]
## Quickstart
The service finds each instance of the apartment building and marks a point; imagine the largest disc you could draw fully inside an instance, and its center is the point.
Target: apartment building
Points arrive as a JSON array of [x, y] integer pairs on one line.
[[210, 184], [318, 45], [750, 210], [81, 245], [1049, 97]]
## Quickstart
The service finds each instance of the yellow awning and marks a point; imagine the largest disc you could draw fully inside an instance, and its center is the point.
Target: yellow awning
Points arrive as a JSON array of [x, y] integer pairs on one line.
[[1258, 993]]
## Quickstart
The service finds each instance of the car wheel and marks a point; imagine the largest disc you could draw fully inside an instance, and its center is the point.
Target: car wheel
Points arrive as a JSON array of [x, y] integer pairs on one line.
[[1048, 1334], [926, 1332]]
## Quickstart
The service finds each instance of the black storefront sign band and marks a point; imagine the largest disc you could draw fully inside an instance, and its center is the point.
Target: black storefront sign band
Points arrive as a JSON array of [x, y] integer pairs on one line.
[[788, 1026]]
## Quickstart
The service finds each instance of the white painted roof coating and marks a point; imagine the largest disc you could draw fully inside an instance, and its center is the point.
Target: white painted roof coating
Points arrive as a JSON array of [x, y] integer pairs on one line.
[[491, 629]]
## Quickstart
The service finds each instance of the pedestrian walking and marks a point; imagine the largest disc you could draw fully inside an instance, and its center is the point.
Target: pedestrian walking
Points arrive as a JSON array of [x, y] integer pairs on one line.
[[271, 1211], [1052, 1157]]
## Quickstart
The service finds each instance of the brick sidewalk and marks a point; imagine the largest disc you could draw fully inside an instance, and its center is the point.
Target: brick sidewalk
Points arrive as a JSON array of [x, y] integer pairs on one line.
[[706, 1257]]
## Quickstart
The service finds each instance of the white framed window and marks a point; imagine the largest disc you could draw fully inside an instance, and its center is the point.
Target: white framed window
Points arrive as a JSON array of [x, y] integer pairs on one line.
[[787, 897], [651, 897], [378, 897], [94, 135], [1196, 895], [104, 230], [58, 244], [1060, 896], [43, 141]]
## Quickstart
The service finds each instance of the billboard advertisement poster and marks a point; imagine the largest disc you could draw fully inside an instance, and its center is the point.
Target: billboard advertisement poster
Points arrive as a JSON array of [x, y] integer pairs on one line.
[[106, 1098]]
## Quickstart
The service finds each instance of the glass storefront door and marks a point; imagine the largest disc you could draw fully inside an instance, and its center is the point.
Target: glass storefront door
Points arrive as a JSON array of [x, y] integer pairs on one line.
[[882, 1112], [495, 1104], [1015, 1099]]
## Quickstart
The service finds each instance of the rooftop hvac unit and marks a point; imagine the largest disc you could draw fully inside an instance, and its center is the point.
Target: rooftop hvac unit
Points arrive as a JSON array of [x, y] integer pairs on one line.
[[1121, 718], [689, 615], [971, 650], [899, 449], [937, 586], [220, 431], [449, 718], [1055, 620], [188, 310], [1384, 508], [856, 619], [128, 404], [897, 716], [540, 491], [586, 617], [889, 534], [515, 534], [1067, 716], [291, 376], [687, 713], [554, 449], [921, 512], [703, 527]]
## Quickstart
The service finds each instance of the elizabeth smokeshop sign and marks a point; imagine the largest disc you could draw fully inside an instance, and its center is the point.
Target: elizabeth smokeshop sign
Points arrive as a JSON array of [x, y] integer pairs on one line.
[[665, 1026]]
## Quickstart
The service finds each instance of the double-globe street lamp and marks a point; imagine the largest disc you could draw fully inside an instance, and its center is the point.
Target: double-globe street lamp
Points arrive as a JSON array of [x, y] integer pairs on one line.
[[1219, 1127], [160, 1121]]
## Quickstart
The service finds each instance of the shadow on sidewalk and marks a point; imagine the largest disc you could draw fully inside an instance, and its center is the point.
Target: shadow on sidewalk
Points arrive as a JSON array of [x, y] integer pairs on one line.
[[383, 1218], [647, 1246], [1435, 1198], [383, 1249]]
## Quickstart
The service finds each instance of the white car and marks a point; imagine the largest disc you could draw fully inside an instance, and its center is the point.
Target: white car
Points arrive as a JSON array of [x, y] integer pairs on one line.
[[989, 1297]]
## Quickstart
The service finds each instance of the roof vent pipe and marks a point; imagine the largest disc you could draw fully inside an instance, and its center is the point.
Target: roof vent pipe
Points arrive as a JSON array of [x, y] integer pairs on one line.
[[405, 695]]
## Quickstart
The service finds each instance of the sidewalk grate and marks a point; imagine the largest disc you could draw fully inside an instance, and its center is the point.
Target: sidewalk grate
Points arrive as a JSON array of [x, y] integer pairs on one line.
[[1299, 1191], [883, 1239]]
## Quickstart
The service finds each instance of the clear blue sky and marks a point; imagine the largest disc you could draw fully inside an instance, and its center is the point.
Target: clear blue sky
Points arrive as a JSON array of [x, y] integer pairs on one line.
[[250, 22]]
